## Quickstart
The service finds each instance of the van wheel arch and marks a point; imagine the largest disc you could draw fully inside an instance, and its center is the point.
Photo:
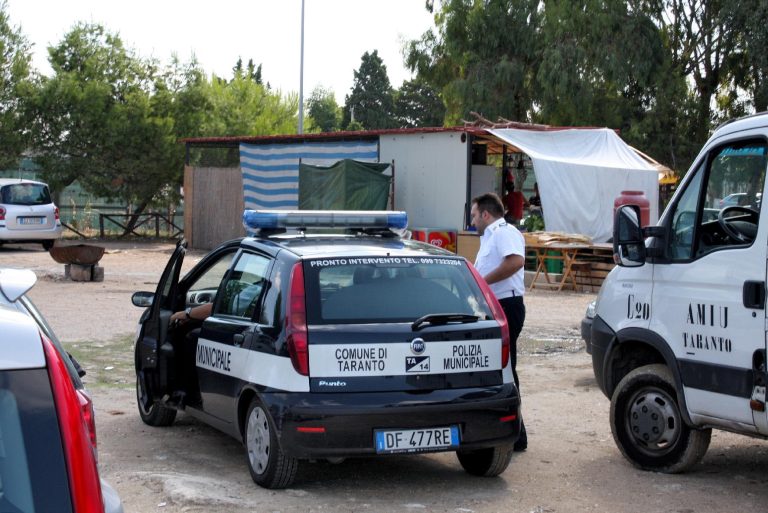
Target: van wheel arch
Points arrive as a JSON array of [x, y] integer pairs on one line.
[[634, 348]]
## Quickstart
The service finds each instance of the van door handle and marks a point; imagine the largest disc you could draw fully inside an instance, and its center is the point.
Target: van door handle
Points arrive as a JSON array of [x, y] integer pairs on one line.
[[754, 294], [238, 339]]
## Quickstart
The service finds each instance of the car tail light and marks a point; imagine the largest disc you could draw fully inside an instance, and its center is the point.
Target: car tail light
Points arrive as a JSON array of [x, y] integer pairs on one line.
[[56, 213], [77, 433], [2, 213], [86, 406], [296, 322], [498, 314]]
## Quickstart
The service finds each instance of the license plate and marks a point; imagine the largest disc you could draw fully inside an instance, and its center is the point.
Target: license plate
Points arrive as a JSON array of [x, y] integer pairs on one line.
[[30, 220], [417, 440]]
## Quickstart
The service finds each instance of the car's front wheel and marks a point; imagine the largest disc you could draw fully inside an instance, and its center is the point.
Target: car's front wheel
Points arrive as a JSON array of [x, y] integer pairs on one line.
[[486, 462], [157, 414], [647, 424], [269, 466]]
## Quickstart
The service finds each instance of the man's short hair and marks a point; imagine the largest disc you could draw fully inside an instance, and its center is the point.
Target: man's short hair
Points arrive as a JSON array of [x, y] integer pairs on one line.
[[489, 202]]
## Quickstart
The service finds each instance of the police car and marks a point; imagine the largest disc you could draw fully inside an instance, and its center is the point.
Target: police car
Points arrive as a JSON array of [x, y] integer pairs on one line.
[[350, 342]]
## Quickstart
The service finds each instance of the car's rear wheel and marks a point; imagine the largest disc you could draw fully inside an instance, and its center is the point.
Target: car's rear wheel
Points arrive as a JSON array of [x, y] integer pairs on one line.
[[157, 415], [268, 465], [647, 425], [47, 245], [486, 462]]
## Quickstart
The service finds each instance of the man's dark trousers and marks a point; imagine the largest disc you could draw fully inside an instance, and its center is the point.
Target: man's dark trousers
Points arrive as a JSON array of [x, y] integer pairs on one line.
[[514, 309]]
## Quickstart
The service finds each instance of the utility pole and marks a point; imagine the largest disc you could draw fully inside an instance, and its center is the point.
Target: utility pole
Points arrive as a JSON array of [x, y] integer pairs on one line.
[[301, 75]]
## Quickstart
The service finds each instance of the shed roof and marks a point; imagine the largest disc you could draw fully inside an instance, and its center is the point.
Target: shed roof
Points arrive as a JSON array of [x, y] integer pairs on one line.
[[482, 134]]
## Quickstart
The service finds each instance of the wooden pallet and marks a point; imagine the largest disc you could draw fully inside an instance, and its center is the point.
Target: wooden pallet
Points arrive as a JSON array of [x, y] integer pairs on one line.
[[590, 279]]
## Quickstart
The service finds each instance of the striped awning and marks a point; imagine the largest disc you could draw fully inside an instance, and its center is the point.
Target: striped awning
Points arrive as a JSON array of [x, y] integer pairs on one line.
[[271, 172]]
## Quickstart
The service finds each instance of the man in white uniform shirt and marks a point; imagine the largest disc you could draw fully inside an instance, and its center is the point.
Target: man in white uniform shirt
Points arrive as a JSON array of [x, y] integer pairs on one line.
[[500, 261]]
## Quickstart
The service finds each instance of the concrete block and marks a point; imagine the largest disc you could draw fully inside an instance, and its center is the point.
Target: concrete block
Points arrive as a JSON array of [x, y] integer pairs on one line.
[[80, 272]]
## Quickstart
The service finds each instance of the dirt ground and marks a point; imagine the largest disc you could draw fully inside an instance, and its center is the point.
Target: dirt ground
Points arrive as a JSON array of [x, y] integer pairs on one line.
[[572, 463]]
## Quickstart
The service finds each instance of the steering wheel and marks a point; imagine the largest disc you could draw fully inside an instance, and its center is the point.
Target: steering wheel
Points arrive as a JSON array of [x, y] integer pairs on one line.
[[739, 230]]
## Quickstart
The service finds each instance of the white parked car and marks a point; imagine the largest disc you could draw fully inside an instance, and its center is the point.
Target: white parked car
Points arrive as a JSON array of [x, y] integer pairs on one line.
[[27, 213]]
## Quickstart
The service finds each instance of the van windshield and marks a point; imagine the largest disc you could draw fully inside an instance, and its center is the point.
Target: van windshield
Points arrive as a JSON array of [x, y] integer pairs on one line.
[[25, 194], [390, 289]]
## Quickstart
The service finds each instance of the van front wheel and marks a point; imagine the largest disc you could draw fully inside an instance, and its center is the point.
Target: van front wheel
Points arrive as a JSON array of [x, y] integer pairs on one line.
[[647, 425]]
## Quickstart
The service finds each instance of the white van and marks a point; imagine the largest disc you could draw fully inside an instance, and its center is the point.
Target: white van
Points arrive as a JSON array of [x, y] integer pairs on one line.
[[678, 333]]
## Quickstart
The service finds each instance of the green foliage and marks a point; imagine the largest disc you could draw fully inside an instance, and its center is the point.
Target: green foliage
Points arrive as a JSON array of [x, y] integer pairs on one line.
[[325, 114], [251, 71], [243, 107], [418, 104], [649, 68], [534, 223], [747, 88], [371, 101], [98, 122], [112, 120], [354, 126], [664, 72], [16, 84], [599, 55], [481, 57]]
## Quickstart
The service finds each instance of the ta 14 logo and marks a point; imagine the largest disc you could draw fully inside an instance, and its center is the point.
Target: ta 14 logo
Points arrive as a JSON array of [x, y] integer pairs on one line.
[[417, 364]]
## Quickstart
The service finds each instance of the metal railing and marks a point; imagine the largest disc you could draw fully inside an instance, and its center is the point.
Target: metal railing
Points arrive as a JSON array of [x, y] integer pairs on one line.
[[142, 221], [116, 223]]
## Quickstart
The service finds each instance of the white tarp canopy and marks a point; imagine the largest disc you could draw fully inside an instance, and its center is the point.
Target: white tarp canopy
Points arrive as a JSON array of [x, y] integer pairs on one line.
[[580, 173]]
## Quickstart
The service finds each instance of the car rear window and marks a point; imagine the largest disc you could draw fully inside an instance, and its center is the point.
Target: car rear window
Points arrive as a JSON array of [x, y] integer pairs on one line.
[[33, 473], [25, 194], [389, 289]]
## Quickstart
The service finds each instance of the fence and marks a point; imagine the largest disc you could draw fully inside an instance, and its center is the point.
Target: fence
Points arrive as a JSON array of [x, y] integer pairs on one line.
[[89, 223]]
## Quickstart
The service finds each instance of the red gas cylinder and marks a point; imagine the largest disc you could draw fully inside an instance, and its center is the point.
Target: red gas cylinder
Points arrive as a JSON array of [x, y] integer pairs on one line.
[[635, 198]]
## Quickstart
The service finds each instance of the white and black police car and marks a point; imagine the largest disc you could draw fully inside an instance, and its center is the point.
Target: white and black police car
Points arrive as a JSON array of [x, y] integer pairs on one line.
[[350, 342]]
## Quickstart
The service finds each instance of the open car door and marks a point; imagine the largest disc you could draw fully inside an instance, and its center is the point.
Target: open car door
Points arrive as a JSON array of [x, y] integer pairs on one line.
[[155, 359]]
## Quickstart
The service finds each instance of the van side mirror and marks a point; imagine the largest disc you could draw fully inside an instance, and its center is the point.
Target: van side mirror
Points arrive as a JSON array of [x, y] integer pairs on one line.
[[628, 240]]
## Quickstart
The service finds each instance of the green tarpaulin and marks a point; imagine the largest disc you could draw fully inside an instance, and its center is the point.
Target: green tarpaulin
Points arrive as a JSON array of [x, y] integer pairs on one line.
[[346, 185]]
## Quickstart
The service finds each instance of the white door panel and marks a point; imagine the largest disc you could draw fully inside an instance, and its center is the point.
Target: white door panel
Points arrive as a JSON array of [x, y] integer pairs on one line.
[[713, 248]]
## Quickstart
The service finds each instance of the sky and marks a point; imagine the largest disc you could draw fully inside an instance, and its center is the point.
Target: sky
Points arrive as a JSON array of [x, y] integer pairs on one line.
[[336, 34]]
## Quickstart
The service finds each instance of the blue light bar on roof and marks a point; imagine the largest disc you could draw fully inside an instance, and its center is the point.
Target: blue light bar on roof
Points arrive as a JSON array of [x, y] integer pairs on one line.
[[272, 219]]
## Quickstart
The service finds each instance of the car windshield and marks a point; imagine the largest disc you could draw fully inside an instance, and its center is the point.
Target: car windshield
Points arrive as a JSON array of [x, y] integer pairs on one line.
[[390, 289], [25, 194]]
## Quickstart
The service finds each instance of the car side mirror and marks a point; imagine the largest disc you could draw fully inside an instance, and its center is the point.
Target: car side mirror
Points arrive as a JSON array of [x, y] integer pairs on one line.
[[628, 240], [143, 299]]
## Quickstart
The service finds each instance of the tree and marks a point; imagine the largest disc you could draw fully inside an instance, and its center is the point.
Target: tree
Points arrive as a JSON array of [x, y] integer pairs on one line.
[[702, 38], [244, 107], [251, 71], [598, 62], [481, 57], [108, 119], [371, 101], [747, 85], [323, 110], [417, 104], [16, 85]]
